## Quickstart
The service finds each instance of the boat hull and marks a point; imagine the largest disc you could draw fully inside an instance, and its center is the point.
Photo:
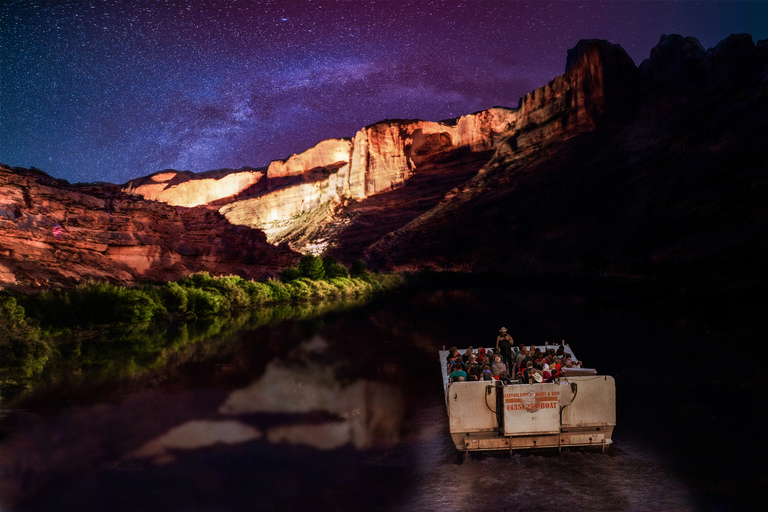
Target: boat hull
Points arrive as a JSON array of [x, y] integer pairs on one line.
[[575, 411]]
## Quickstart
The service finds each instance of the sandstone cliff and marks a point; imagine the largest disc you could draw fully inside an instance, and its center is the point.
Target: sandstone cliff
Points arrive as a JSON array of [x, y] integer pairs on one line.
[[305, 188], [302, 193], [672, 185], [609, 167], [56, 234]]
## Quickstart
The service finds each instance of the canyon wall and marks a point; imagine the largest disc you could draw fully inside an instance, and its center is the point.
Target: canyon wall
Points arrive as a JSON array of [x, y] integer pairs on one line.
[[189, 189], [380, 157], [600, 80], [54, 234]]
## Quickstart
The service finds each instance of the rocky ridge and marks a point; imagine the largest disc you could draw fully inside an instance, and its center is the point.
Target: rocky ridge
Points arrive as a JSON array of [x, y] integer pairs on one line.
[[55, 234], [298, 197], [669, 180], [610, 167]]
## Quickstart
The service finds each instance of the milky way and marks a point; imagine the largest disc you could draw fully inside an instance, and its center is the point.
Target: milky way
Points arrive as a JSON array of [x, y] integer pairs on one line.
[[113, 90]]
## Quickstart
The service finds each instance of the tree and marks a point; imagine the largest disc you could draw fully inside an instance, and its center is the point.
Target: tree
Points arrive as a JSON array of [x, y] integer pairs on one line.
[[311, 266]]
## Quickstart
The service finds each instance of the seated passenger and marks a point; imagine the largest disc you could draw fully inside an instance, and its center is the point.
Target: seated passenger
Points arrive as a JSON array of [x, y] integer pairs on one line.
[[526, 373], [470, 351], [504, 378], [570, 363], [487, 373], [555, 370], [497, 367], [458, 372]]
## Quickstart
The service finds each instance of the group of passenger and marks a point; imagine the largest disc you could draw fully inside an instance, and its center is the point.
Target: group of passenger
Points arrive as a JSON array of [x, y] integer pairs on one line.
[[508, 363]]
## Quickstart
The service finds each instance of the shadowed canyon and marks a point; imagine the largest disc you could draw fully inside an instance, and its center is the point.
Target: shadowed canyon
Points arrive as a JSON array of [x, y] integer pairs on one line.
[[611, 169]]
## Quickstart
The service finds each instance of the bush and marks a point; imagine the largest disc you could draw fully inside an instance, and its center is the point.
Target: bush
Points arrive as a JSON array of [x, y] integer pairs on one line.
[[358, 268], [259, 293], [235, 297], [333, 268], [289, 274], [299, 289], [278, 291], [175, 298], [96, 303], [23, 354], [208, 301]]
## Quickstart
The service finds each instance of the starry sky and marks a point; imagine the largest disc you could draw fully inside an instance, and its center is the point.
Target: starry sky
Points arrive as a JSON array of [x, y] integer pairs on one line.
[[111, 90]]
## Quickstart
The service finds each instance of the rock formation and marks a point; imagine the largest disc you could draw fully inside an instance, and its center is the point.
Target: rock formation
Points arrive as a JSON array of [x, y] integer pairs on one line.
[[189, 189], [674, 185], [55, 234], [301, 193], [379, 158], [605, 168]]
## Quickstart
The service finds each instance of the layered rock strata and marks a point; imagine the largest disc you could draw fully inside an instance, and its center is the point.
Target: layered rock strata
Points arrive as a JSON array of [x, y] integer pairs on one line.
[[378, 158], [600, 79], [56, 234]]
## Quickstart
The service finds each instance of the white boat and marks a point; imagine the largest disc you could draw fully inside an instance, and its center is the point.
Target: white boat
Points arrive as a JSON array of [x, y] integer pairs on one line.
[[578, 409]]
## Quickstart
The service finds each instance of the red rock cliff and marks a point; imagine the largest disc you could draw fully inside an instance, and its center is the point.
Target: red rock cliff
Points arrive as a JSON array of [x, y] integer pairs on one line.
[[600, 80], [105, 234]]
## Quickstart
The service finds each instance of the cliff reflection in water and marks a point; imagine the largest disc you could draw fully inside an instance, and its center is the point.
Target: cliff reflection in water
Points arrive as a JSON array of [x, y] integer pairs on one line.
[[345, 412], [362, 413]]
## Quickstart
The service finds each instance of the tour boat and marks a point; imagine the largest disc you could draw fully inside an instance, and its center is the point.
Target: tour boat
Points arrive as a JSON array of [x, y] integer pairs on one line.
[[578, 409]]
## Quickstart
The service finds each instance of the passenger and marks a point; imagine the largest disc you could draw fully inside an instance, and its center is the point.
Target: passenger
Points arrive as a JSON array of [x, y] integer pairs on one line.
[[521, 353], [473, 373], [526, 374], [487, 373], [555, 369], [470, 351], [504, 378], [471, 363], [504, 344], [458, 371], [570, 363], [480, 355], [497, 367], [524, 363]]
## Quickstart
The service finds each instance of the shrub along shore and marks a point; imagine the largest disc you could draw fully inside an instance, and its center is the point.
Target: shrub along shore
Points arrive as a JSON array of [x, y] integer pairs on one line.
[[37, 331]]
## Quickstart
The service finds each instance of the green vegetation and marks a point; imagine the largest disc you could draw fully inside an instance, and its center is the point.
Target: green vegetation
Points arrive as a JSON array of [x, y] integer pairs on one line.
[[105, 329]]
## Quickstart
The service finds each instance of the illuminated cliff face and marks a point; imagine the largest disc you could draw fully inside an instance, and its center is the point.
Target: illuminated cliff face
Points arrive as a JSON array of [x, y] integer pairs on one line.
[[301, 193], [379, 158]]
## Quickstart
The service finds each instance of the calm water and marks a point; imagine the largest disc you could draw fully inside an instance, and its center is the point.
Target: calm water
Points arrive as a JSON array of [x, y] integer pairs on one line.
[[345, 412]]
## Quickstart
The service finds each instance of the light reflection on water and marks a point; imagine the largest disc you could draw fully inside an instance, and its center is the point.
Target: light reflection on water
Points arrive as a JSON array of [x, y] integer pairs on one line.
[[346, 412], [629, 479]]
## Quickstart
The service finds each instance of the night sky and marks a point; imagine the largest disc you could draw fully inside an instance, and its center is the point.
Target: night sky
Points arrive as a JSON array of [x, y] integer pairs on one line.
[[114, 90]]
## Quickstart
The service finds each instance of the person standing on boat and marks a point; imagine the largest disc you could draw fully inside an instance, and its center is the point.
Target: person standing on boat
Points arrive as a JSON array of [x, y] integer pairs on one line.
[[504, 344]]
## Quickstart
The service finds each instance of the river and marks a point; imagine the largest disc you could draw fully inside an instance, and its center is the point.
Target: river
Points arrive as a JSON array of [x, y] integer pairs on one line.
[[345, 411]]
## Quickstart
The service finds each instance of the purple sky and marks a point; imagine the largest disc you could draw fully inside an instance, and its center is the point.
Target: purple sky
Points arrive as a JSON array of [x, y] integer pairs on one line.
[[114, 90]]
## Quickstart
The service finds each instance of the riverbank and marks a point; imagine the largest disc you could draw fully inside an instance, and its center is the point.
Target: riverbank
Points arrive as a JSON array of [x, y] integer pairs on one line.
[[110, 331]]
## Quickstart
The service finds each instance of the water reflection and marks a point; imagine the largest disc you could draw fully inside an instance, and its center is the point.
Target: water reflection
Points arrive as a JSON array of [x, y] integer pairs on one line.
[[346, 412], [192, 435], [362, 413]]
